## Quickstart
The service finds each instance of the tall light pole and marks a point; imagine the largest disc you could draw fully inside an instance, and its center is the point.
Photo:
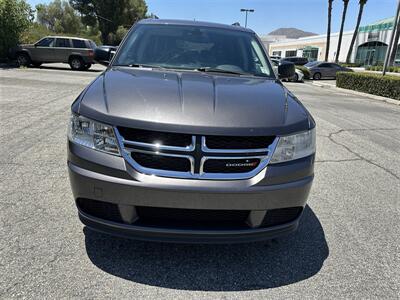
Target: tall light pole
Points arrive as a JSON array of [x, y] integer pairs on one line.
[[246, 10]]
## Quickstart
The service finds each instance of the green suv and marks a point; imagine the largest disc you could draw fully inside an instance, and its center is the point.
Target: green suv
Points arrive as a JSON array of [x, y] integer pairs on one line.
[[77, 52]]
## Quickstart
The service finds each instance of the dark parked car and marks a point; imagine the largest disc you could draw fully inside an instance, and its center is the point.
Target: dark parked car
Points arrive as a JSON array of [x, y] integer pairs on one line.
[[189, 136], [298, 76], [298, 61], [320, 69], [108, 48], [77, 52]]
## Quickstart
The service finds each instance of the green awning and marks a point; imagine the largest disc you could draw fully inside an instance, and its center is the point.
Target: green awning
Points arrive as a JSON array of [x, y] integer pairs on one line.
[[309, 48], [385, 24]]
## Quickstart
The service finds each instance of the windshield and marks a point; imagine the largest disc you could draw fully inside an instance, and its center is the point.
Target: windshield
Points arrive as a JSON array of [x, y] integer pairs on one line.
[[194, 48]]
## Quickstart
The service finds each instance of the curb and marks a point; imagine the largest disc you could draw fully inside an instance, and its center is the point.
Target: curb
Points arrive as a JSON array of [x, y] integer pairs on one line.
[[375, 97]]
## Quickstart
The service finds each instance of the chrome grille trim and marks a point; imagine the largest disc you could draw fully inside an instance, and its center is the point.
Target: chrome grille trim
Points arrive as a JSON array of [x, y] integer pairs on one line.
[[161, 147], [263, 154], [188, 157]]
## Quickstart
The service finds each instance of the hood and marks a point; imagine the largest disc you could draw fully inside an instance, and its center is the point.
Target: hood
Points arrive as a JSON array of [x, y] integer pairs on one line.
[[193, 102]]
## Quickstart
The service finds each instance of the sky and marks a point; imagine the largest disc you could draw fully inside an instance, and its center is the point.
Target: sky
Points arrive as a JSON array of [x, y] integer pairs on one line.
[[308, 15]]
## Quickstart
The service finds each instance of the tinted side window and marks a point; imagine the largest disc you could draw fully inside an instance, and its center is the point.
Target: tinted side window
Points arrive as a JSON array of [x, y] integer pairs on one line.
[[63, 43], [79, 44], [46, 42], [324, 66], [92, 44]]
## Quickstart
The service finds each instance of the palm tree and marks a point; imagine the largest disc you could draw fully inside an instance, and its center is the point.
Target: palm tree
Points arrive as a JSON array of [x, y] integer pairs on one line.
[[353, 40], [328, 34], [345, 5]]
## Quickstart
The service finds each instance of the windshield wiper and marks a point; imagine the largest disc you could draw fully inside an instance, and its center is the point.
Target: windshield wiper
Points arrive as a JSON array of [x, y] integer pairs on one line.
[[141, 66], [217, 70]]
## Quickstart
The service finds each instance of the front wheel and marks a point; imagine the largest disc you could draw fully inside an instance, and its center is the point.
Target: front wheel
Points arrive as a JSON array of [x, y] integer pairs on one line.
[[76, 63], [317, 76], [23, 59]]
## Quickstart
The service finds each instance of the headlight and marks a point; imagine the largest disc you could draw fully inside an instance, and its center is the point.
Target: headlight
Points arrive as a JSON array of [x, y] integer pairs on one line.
[[92, 134], [295, 146]]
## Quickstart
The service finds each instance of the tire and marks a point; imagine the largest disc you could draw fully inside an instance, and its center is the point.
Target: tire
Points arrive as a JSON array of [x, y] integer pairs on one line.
[[87, 67], [76, 63], [23, 59], [317, 76], [295, 77], [36, 64]]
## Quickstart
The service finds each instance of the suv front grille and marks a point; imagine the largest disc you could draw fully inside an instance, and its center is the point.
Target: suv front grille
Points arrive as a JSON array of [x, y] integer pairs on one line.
[[154, 161], [192, 156], [154, 137], [191, 218], [238, 142]]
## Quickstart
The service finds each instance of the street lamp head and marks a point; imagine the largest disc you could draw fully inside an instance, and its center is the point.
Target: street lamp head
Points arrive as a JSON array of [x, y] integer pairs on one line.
[[247, 10]]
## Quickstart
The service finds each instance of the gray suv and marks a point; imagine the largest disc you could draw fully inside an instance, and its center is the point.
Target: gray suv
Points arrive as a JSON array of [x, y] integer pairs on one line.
[[189, 136], [77, 52]]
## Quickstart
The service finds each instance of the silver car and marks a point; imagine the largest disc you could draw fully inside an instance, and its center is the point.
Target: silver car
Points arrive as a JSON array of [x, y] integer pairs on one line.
[[320, 69], [189, 136]]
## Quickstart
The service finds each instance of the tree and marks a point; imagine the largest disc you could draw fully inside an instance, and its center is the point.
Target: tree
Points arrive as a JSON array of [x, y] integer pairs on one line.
[[345, 5], [328, 34], [15, 17], [59, 16], [110, 14], [353, 40]]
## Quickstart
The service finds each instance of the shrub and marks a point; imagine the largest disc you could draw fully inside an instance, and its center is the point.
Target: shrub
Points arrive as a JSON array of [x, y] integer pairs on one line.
[[376, 84], [37, 31], [380, 68], [305, 71], [15, 17], [350, 65]]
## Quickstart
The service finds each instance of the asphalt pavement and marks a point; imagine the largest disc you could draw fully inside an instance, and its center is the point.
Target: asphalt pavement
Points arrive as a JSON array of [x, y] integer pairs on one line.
[[347, 245]]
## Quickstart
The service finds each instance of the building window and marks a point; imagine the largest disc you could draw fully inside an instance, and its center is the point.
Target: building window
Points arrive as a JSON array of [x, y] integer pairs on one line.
[[373, 35], [311, 53], [371, 53], [290, 53], [276, 53], [397, 58]]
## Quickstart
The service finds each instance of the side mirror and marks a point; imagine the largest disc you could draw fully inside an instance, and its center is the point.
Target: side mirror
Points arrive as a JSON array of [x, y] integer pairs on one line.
[[102, 56], [286, 69]]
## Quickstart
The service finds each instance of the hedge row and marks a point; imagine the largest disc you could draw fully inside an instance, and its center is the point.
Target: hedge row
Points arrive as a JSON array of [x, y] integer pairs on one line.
[[376, 84], [380, 68], [305, 71], [351, 65]]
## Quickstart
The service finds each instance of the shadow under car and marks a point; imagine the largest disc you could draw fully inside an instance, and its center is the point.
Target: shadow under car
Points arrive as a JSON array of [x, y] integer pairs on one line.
[[206, 267]]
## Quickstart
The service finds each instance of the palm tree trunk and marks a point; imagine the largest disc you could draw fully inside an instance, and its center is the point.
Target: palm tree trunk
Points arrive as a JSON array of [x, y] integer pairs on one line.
[[353, 40], [328, 34], [345, 5]]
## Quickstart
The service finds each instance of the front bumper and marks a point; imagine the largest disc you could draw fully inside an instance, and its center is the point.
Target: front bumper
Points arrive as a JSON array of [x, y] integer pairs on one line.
[[102, 177]]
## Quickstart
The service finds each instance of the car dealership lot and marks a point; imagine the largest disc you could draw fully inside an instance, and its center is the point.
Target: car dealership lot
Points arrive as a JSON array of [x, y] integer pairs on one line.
[[346, 246]]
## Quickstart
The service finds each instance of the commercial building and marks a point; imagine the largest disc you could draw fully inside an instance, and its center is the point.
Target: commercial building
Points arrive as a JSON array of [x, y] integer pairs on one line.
[[369, 49]]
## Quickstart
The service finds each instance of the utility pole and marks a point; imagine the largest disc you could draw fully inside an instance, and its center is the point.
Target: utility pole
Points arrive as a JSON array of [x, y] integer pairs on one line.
[[246, 10], [389, 48]]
